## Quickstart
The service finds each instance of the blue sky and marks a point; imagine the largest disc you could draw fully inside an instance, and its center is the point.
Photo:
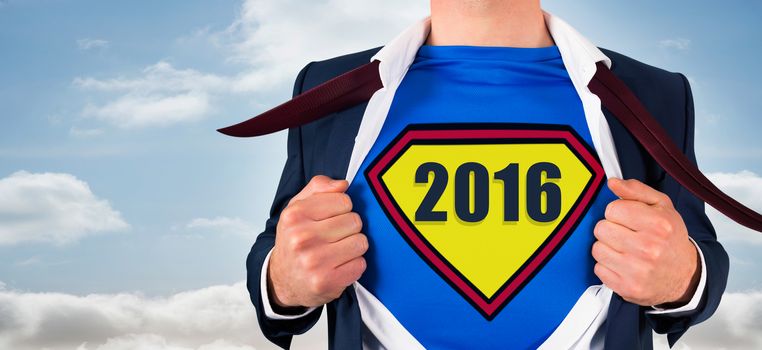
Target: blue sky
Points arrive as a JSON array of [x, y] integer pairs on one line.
[[157, 177], [114, 105]]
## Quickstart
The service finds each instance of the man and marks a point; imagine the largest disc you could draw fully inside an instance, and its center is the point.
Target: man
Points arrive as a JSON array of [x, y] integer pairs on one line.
[[464, 205]]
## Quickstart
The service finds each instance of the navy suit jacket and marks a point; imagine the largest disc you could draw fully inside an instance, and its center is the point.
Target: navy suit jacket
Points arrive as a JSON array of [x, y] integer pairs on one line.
[[323, 147]]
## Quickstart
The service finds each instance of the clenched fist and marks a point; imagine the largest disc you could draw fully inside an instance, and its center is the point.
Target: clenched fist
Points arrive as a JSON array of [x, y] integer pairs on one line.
[[318, 246], [643, 252]]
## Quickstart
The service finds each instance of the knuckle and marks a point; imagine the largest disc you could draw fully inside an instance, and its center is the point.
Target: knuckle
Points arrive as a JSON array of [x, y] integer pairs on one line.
[[317, 285], [655, 254], [363, 243], [289, 215], [607, 227], [598, 228], [597, 250], [613, 207], [297, 241], [309, 261], [660, 210], [665, 198], [356, 222], [359, 268], [598, 269], [361, 264], [668, 227], [663, 225], [317, 179], [346, 202], [651, 250], [607, 210], [297, 210]]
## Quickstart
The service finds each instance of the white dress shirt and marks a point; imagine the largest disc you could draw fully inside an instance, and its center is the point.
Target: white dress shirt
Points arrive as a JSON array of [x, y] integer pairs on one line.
[[582, 326]]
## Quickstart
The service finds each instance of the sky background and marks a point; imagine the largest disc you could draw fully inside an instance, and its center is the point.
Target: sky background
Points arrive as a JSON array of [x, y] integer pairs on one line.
[[125, 218]]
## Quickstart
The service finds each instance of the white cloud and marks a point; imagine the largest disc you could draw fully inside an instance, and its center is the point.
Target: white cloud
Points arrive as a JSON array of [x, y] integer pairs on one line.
[[131, 111], [218, 317], [735, 325], [87, 44], [270, 41], [157, 342], [746, 187], [223, 224], [222, 318], [158, 77], [676, 43], [162, 95], [52, 207], [276, 46]]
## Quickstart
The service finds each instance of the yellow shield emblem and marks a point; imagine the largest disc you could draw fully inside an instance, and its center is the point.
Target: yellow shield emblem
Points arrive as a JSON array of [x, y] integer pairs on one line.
[[486, 205]]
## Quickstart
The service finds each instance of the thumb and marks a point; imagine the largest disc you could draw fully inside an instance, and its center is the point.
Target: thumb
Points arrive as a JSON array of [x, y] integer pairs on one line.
[[632, 189], [320, 184]]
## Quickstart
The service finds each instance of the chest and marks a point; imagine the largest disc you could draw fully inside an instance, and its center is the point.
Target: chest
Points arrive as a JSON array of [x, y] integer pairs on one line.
[[480, 210]]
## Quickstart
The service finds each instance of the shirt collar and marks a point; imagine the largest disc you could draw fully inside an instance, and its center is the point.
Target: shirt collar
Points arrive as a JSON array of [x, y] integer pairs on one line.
[[578, 54]]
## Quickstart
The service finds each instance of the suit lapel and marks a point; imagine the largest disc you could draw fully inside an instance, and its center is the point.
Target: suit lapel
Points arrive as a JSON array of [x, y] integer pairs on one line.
[[623, 320], [621, 333], [332, 140], [345, 322]]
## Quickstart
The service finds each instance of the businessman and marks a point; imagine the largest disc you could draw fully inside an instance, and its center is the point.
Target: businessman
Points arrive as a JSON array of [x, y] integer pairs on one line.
[[484, 199]]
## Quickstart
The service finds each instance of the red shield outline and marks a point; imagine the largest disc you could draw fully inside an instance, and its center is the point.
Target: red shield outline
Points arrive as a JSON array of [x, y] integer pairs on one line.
[[490, 133]]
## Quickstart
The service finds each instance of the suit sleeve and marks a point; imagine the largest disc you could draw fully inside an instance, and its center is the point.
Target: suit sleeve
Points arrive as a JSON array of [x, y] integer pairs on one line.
[[292, 180], [703, 234]]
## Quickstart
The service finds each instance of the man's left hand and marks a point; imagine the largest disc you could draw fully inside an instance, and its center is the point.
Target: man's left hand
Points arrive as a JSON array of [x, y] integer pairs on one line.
[[643, 252]]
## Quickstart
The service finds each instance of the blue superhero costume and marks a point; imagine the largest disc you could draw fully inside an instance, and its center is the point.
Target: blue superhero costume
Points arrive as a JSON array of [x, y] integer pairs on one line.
[[501, 99]]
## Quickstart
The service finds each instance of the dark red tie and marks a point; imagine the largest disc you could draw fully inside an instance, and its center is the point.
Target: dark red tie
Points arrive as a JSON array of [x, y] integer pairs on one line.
[[359, 84]]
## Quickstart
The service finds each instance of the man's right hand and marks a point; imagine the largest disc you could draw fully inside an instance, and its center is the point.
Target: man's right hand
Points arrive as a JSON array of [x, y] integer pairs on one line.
[[318, 246]]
